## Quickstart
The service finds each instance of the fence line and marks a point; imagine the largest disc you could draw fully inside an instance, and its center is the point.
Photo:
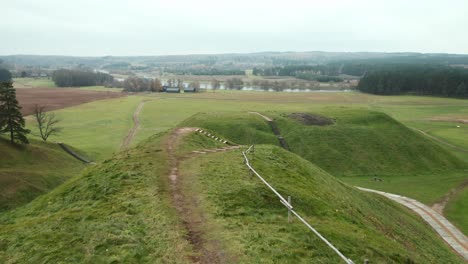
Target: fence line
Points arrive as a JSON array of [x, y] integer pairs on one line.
[[290, 208]]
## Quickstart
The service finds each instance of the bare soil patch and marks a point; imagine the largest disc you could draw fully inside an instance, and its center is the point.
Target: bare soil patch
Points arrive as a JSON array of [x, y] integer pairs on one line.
[[186, 205], [58, 98], [312, 119]]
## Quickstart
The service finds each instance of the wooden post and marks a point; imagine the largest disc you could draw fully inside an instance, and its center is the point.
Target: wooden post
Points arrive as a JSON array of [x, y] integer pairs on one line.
[[289, 210], [366, 261]]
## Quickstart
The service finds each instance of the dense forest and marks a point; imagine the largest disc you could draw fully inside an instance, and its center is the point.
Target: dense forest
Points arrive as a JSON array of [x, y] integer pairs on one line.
[[416, 79], [74, 78]]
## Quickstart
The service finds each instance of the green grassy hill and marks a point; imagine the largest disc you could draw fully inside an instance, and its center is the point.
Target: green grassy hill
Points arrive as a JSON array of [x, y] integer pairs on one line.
[[117, 211], [120, 211], [27, 171], [360, 142], [252, 224], [358, 146]]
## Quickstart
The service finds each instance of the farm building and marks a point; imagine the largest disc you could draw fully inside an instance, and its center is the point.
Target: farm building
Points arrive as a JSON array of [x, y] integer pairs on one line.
[[168, 89], [190, 90]]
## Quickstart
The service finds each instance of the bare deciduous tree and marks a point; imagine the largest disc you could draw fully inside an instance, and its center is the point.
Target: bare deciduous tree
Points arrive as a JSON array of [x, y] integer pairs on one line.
[[46, 122], [215, 84]]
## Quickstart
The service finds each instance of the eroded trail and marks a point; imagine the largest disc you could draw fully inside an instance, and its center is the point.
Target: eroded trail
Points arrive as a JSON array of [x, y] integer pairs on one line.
[[439, 206], [275, 129], [136, 124], [187, 203]]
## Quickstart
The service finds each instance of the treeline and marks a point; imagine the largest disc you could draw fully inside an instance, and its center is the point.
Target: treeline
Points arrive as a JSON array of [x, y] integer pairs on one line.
[[135, 84], [416, 79], [320, 73], [294, 70], [74, 78], [206, 71], [311, 76]]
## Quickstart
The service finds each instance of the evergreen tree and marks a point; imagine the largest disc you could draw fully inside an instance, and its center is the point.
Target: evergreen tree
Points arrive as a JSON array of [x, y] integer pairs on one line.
[[11, 119]]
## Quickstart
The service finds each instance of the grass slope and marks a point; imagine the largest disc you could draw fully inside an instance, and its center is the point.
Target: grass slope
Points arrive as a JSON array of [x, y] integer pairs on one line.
[[250, 221], [241, 128], [115, 212], [457, 211], [362, 144], [27, 171]]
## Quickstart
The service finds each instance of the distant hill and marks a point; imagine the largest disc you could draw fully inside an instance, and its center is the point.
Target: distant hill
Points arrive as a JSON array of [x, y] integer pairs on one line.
[[249, 59]]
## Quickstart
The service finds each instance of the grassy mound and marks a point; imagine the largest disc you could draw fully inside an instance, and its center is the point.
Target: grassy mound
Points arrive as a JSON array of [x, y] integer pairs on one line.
[[253, 224], [116, 211], [241, 128], [27, 171], [360, 143], [363, 142]]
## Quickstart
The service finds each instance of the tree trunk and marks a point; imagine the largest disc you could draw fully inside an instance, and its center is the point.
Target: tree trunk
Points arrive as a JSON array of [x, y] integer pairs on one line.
[[11, 133]]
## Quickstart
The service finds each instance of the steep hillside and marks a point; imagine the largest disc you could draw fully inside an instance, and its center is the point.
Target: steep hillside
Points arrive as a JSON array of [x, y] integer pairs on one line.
[[250, 221], [122, 210], [361, 142], [27, 171], [117, 211], [352, 142]]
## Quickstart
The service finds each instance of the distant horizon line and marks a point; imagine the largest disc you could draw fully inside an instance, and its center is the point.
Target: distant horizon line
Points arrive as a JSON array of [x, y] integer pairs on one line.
[[236, 53]]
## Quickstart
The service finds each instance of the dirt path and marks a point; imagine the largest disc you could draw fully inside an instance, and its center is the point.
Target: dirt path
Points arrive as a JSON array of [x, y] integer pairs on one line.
[[451, 235], [263, 116], [275, 130], [133, 131], [439, 206], [440, 140], [186, 203]]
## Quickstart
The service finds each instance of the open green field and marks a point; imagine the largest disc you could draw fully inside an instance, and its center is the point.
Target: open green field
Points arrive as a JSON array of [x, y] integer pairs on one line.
[[33, 82], [98, 128]]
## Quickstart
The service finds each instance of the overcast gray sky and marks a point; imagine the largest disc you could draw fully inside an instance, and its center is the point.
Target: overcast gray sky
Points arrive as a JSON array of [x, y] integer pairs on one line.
[[155, 27]]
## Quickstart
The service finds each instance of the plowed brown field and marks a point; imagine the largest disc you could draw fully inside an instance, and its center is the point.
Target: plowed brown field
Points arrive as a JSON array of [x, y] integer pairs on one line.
[[59, 98]]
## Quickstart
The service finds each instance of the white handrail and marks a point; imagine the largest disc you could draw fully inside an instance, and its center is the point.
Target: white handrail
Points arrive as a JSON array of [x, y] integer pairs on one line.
[[286, 204]]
